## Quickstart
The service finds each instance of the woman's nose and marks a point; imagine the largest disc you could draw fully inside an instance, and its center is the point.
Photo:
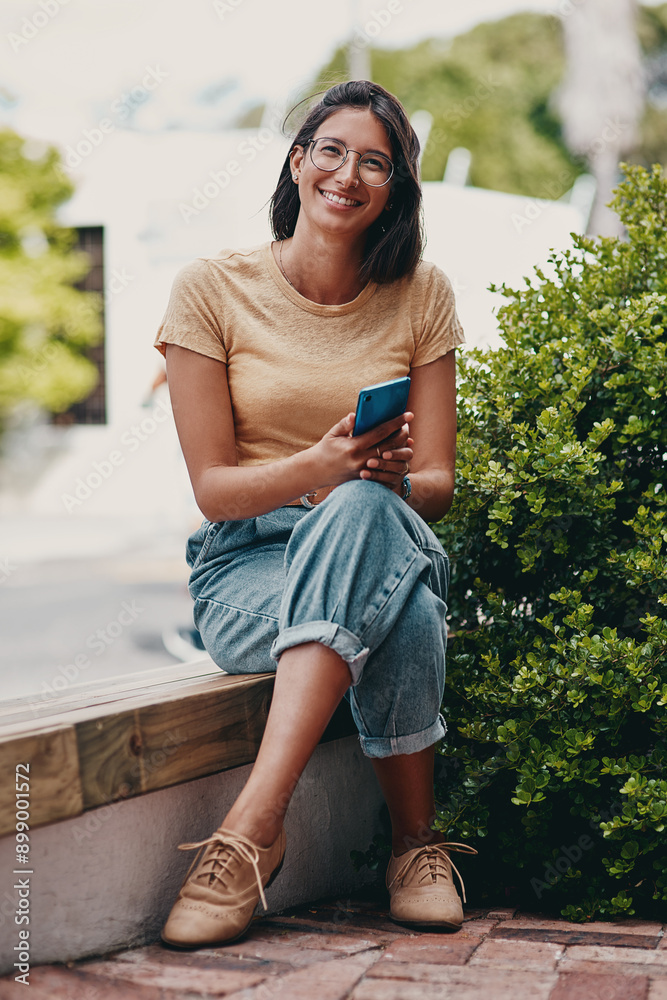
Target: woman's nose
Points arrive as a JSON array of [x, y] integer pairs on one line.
[[347, 171]]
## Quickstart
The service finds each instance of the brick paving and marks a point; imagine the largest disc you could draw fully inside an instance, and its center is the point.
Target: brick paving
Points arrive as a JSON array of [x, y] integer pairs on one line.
[[351, 950]]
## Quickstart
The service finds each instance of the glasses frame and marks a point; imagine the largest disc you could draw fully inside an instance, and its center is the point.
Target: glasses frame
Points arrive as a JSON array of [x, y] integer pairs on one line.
[[311, 143]]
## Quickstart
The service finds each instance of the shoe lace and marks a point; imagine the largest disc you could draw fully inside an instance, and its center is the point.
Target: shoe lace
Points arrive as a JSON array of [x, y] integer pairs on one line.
[[436, 860], [227, 847]]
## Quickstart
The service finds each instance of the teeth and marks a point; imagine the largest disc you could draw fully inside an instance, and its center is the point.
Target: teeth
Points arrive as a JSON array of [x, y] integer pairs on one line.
[[335, 197]]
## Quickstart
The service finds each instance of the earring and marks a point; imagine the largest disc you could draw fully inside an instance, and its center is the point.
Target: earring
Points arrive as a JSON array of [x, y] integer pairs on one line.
[[296, 177]]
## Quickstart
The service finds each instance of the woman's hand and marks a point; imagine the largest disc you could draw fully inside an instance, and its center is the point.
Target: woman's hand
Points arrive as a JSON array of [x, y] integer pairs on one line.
[[381, 454]]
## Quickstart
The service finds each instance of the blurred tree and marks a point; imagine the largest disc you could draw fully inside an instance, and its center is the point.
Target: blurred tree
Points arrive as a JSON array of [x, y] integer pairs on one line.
[[45, 322], [602, 96], [492, 90], [652, 32], [487, 90]]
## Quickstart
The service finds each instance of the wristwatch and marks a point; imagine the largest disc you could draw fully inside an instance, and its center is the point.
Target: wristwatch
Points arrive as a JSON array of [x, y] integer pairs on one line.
[[407, 488]]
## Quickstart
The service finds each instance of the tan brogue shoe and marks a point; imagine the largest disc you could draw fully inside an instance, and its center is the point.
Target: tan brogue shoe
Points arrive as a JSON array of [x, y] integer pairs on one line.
[[217, 899], [421, 888]]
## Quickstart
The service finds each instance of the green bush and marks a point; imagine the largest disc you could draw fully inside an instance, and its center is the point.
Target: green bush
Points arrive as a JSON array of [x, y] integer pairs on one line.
[[557, 669]]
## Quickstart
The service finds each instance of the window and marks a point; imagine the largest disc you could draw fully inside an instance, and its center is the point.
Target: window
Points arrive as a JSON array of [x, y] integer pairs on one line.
[[92, 409]]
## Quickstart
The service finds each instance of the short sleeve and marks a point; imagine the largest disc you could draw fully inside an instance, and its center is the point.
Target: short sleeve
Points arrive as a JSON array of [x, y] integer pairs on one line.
[[441, 329], [191, 319]]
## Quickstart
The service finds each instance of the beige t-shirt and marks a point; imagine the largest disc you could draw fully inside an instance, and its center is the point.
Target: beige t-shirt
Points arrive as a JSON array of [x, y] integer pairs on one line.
[[295, 367]]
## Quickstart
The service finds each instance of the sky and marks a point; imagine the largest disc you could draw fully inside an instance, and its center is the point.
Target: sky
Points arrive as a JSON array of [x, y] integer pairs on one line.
[[66, 64]]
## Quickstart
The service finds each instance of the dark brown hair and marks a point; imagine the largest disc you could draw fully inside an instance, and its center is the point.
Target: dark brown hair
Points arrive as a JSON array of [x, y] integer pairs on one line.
[[395, 252]]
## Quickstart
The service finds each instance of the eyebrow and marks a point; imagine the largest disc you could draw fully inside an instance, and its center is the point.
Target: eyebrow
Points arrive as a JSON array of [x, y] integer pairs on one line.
[[386, 155]]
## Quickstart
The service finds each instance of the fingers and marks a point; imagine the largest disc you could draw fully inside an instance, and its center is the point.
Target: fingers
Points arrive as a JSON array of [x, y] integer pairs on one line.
[[386, 431], [344, 427]]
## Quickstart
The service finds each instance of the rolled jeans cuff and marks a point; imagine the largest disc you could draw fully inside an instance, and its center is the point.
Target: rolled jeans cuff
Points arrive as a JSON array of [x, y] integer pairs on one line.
[[348, 646], [387, 746]]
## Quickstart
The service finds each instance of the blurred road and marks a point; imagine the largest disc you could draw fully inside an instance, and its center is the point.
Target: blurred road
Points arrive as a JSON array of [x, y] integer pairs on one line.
[[86, 598]]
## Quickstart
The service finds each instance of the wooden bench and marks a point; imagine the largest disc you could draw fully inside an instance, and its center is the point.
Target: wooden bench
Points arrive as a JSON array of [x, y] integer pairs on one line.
[[111, 739], [122, 771]]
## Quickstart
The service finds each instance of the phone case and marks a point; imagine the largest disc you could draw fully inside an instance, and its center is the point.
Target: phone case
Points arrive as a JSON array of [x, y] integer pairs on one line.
[[379, 403]]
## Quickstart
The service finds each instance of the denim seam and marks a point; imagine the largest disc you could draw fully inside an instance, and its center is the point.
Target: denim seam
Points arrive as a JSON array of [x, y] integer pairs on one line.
[[232, 607], [390, 741], [206, 544], [398, 583]]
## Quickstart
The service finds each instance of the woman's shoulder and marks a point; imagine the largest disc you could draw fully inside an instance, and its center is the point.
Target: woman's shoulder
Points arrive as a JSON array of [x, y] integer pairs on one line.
[[208, 269], [426, 281], [430, 275]]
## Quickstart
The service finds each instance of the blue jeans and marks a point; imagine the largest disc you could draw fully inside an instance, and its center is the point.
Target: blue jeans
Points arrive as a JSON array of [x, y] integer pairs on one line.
[[361, 573]]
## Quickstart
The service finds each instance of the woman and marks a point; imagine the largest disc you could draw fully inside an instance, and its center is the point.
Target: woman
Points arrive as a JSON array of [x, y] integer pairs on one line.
[[313, 560]]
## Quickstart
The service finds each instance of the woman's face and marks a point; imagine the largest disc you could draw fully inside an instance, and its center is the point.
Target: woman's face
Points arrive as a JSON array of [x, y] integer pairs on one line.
[[320, 191]]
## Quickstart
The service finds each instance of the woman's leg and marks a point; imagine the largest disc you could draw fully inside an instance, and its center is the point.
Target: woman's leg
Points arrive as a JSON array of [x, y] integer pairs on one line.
[[406, 780], [311, 679]]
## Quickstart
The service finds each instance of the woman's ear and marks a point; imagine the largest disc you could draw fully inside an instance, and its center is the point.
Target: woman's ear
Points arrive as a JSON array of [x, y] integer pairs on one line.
[[296, 160]]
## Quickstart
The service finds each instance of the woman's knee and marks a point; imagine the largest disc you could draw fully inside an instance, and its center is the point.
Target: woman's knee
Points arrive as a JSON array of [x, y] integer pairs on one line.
[[360, 500]]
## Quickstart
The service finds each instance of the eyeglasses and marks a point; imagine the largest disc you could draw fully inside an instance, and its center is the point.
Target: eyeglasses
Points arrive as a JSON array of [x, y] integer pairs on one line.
[[374, 169]]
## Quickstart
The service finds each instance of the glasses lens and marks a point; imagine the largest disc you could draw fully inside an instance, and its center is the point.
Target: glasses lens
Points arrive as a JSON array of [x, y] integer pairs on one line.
[[375, 169], [328, 154]]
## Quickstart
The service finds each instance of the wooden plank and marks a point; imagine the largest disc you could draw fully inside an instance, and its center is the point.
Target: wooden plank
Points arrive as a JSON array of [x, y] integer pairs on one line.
[[103, 690], [149, 739], [108, 764], [100, 706], [215, 730], [55, 787]]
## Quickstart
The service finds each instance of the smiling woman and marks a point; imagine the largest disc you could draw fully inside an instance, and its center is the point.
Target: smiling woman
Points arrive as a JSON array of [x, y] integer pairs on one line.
[[315, 559]]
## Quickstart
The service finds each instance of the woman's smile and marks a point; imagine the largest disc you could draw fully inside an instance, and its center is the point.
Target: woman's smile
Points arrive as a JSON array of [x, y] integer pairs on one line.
[[338, 200]]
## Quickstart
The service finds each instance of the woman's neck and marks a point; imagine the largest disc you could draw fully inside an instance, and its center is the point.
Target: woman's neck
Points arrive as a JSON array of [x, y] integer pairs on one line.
[[322, 268]]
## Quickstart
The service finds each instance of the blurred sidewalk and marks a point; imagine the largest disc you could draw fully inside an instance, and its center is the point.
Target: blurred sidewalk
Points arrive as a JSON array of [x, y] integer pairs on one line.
[[351, 950]]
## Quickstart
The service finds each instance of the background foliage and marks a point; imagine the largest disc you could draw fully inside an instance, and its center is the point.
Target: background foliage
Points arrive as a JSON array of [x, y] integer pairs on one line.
[[45, 322], [492, 91], [557, 674]]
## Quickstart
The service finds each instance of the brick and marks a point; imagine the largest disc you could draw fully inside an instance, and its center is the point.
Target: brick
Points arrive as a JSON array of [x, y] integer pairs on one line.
[[222, 957], [517, 954], [381, 934], [573, 934], [326, 980], [276, 951], [347, 943], [641, 927], [440, 982], [627, 956], [619, 969], [479, 927], [52, 982], [450, 949], [351, 924], [586, 986], [504, 913], [216, 982]]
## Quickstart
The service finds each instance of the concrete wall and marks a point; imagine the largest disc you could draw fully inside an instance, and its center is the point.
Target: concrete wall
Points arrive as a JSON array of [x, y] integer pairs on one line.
[[106, 880]]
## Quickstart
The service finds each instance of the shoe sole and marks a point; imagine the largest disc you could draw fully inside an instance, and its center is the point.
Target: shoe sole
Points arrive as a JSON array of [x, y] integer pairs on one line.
[[214, 944]]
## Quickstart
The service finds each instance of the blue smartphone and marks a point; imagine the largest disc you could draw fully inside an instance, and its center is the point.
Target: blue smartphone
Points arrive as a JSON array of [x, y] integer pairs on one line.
[[381, 402]]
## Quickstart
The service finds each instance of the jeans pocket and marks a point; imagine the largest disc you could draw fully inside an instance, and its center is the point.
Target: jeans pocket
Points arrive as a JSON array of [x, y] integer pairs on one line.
[[199, 543]]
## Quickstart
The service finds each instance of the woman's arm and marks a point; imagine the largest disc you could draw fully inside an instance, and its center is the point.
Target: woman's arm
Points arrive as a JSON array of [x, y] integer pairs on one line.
[[226, 491], [433, 402]]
